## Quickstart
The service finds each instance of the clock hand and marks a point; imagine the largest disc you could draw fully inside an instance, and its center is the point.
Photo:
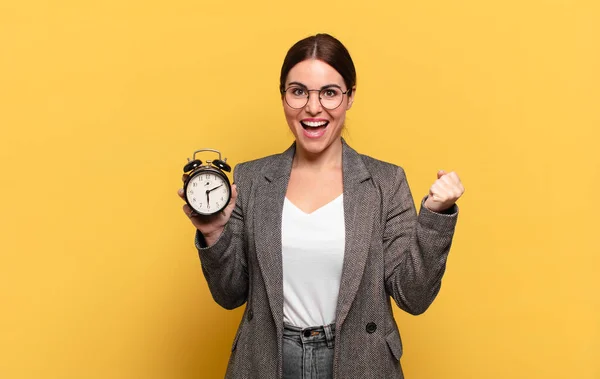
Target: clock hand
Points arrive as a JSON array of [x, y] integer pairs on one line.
[[212, 189]]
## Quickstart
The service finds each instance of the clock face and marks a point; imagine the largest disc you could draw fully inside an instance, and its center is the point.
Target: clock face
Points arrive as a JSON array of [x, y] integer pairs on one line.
[[207, 192]]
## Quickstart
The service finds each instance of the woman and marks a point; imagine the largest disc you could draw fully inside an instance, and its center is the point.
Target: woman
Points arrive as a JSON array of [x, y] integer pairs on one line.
[[317, 239]]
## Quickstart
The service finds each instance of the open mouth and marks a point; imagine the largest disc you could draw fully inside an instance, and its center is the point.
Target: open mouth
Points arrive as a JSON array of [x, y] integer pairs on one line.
[[314, 125]]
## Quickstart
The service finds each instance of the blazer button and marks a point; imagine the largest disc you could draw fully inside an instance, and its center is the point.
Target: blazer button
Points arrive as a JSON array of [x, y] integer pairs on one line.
[[250, 314], [371, 327]]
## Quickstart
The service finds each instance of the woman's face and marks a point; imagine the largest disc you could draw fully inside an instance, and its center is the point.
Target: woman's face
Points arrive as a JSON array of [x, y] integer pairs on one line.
[[314, 126]]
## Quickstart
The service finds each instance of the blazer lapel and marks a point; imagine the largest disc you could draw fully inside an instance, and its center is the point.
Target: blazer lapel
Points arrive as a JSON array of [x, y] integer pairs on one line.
[[359, 201], [270, 196]]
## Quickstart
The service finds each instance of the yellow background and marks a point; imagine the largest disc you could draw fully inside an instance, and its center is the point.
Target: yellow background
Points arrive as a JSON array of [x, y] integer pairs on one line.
[[102, 102]]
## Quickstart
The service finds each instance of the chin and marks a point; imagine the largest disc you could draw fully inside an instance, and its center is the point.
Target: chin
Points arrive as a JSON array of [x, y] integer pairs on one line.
[[317, 145]]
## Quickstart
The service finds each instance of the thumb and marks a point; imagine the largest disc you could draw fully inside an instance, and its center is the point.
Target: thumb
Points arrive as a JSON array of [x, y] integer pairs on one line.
[[441, 173], [234, 193], [233, 199]]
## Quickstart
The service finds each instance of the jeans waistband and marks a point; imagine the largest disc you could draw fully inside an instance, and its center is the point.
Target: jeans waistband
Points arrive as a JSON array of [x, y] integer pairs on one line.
[[324, 333]]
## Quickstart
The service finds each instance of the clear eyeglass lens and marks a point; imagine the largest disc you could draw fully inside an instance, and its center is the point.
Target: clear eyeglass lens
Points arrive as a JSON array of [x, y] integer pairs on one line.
[[330, 98]]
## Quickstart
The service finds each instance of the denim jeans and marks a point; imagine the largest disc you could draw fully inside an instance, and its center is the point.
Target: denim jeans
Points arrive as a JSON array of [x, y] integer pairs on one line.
[[308, 352]]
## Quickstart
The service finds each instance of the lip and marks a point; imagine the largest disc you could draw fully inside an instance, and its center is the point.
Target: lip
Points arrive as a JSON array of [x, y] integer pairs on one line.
[[313, 120], [314, 133]]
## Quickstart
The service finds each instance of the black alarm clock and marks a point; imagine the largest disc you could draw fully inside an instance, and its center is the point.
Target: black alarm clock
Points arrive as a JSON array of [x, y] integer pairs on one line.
[[207, 189]]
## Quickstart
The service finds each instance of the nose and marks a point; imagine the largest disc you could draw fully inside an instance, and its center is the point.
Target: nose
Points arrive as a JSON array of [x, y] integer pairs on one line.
[[313, 105]]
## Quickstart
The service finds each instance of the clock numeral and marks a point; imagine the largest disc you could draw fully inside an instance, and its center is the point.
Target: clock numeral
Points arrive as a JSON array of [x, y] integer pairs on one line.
[[194, 199], [222, 198], [195, 184], [208, 205], [218, 205], [200, 205], [191, 192]]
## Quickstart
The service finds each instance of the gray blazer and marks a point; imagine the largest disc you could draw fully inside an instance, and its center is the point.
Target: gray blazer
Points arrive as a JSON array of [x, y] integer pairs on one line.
[[389, 252]]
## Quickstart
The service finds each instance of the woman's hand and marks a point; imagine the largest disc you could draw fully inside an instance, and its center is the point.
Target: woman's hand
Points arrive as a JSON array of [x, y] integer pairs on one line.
[[446, 190], [212, 226]]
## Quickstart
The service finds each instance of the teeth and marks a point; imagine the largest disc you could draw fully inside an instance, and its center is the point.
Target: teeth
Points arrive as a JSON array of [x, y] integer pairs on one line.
[[314, 124]]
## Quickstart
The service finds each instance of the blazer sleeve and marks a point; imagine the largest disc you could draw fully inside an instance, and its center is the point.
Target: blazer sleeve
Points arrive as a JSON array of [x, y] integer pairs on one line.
[[416, 248], [224, 263]]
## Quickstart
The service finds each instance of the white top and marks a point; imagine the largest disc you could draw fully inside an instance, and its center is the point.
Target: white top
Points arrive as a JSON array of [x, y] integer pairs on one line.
[[312, 256]]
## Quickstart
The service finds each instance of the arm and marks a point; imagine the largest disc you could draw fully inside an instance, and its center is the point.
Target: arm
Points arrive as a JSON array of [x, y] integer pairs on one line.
[[415, 248], [224, 263]]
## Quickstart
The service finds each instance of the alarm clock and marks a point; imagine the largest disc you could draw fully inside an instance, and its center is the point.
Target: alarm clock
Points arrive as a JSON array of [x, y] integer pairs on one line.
[[207, 189]]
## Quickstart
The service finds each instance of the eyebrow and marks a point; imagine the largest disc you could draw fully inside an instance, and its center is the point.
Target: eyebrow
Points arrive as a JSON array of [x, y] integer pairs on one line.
[[323, 87]]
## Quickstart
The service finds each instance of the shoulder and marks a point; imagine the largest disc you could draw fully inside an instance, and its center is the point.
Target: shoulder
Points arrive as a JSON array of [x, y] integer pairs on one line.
[[378, 170], [259, 167], [379, 167], [389, 181], [384, 174]]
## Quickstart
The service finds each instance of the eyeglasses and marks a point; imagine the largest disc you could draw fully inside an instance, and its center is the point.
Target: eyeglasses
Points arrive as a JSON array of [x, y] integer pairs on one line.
[[329, 97]]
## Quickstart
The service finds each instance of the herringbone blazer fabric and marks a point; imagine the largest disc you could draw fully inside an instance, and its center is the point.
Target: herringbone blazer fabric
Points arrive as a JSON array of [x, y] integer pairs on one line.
[[390, 252]]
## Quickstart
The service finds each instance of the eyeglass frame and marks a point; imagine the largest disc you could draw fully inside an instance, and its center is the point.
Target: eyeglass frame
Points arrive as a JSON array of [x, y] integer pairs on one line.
[[297, 85]]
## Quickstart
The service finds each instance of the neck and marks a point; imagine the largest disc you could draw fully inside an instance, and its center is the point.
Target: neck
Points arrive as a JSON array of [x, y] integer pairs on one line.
[[331, 157]]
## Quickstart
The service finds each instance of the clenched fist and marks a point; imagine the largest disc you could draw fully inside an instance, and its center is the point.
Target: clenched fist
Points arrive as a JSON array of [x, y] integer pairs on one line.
[[446, 190]]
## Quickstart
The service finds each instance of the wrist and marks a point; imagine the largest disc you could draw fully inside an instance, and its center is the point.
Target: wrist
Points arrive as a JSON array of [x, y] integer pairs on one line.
[[432, 206], [211, 237]]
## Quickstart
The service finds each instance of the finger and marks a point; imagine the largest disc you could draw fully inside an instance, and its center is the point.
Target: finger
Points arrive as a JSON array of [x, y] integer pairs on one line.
[[443, 185], [234, 193], [453, 184], [448, 180], [184, 177], [232, 200], [196, 218], [458, 182], [453, 177], [441, 192], [188, 211], [441, 173], [436, 192], [180, 193], [200, 222]]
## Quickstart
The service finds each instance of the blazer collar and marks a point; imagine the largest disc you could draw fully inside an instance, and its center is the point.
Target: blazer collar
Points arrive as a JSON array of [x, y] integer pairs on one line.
[[354, 169]]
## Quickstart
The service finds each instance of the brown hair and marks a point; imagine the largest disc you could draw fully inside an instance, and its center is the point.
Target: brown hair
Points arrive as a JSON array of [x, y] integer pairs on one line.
[[324, 48]]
